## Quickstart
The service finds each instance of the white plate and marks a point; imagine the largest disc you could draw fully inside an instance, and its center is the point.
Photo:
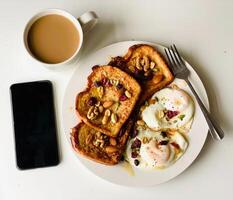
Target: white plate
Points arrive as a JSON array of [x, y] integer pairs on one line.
[[117, 174]]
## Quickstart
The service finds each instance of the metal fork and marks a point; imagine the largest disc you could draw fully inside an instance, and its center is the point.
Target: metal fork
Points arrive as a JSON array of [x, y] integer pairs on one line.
[[181, 71]]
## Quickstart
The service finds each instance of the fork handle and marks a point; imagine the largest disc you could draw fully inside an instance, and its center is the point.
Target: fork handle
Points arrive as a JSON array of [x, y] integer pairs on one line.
[[215, 130]]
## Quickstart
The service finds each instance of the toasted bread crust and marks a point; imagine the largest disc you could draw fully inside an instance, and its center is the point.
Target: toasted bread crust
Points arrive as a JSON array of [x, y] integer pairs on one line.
[[122, 109]]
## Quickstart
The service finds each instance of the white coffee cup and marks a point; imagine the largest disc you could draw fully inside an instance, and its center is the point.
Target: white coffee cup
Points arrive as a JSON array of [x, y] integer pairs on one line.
[[83, 24]]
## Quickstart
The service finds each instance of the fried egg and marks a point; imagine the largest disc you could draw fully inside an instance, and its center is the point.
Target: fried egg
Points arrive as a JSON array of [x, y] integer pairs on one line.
[[155, 149], [173, 109]]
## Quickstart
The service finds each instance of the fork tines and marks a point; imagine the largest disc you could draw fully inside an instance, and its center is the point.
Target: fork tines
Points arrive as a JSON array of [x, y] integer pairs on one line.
[[174, 60]]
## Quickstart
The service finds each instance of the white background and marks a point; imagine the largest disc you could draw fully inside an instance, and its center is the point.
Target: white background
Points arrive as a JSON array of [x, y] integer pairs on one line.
[[203, 31]]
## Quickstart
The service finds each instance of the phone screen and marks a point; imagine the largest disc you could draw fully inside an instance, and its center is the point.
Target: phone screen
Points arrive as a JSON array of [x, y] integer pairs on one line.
[[34, 124]]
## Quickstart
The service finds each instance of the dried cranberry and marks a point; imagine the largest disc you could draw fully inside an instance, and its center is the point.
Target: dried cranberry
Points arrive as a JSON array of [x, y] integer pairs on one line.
[[164, 134], [136, 144], [134, 133], [119, 86], [92, 101], [163, 142], [134, 154], [97, 83], [170, 114], [136, 162], [123, 97]]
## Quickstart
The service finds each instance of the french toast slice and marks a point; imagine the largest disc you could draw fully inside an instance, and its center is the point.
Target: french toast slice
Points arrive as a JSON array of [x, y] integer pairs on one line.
[[98, 146], [109, 99], [147, 66]]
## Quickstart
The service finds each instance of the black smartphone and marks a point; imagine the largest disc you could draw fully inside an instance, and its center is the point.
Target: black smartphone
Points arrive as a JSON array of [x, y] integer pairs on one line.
[[34, 124]]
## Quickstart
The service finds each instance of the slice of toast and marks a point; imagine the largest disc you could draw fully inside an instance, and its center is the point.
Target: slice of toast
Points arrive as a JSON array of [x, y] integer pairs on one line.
[[109, 99], [98, 146], [147, 66]]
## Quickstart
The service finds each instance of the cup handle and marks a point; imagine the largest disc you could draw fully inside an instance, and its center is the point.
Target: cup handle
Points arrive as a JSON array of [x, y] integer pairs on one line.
[[88, 20]]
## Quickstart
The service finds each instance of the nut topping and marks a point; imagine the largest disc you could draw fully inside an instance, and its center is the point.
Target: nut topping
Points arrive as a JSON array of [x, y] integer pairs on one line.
[[111, 81], [97, 104], [140, 123], [138, 64], [96, 112], [107, 112], [113, 141], [100, 91], [128, 94], [106, 116], [93, 112], [88, 139], [152, 101], [96, 143], [160, 114], [101, 144], [91, 116], [98, 134], [90, 113], [155, 69], [101, 109], [114, 118], [152, 65], [117, 105], [114, 82], [111, 149], [107, 104], [145, 140], [146, 63], [99, 140], [105, 119], [142, 62]]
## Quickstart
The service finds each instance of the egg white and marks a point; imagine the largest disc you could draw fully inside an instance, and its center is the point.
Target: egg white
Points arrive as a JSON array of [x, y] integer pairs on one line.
[[173, 100], [146, 160]]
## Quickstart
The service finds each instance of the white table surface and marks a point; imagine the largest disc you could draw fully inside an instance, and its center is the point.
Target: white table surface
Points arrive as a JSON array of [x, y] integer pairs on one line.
[[203, 30]]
